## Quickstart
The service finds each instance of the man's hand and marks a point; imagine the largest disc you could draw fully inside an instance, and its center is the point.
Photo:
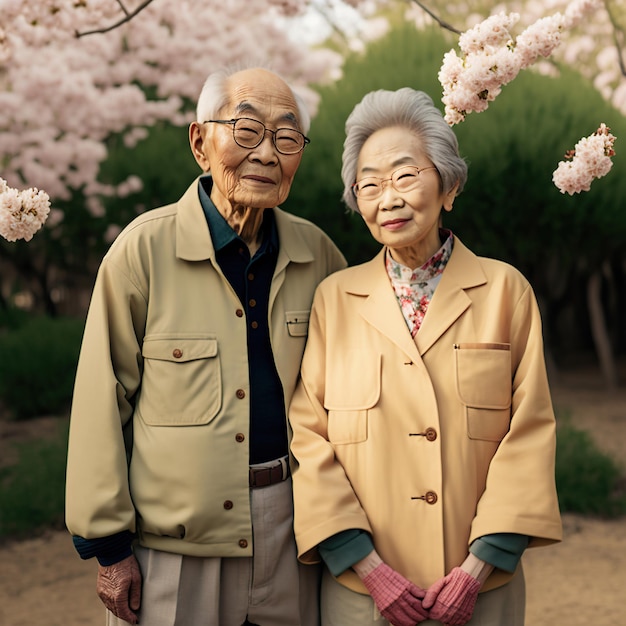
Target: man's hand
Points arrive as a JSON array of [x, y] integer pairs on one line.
[[397, 598], [119, 588], [451, 600]]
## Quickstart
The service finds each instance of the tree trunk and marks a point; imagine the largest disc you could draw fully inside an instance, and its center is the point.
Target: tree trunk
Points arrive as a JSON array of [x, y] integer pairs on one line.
[[599, 330]]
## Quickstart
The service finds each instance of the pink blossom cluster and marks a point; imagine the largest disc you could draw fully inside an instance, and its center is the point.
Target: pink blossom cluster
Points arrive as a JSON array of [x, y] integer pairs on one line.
[[491, 57], [590, 159], [22, 213]]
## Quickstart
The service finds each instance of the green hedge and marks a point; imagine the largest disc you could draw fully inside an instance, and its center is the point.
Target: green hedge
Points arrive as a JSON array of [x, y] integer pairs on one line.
[[32, 492], [588, 481], [37, 366]]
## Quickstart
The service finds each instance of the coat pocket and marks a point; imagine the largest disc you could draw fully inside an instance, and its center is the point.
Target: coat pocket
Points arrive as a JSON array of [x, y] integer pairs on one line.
[[182, 381], [352, 388], [484, 386]]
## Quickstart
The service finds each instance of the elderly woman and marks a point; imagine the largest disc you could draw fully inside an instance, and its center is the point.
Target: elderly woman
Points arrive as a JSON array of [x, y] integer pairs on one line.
[[423, 428]]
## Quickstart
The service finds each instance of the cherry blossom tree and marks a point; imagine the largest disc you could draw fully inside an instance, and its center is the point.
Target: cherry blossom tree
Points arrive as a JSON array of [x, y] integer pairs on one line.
[[64, 90]]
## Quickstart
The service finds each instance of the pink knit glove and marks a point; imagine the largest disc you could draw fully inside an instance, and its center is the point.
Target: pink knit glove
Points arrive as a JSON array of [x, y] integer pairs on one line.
[[398, 599], [451, 600]]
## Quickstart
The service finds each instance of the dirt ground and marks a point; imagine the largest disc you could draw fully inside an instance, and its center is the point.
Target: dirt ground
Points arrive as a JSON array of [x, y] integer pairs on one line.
[[578, 582]]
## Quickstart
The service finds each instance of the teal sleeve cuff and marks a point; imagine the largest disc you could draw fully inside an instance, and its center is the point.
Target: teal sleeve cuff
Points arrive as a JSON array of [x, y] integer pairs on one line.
[[502, 550], [343, 550]]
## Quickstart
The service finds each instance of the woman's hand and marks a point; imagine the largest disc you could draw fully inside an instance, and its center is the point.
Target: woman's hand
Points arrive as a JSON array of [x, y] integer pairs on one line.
[[451, 599], [397, 598], [119, 588]]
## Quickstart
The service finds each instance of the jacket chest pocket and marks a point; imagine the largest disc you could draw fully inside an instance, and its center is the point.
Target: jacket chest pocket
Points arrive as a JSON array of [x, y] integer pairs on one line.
[[182, 380], [484, 386], [297, 323]]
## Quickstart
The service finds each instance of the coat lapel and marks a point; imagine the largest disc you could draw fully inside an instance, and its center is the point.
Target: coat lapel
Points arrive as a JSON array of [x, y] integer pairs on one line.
[[450, 301], [380, 307]]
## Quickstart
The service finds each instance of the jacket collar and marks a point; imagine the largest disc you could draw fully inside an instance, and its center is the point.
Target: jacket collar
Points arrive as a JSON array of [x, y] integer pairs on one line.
[[381, 310], [193, 239]]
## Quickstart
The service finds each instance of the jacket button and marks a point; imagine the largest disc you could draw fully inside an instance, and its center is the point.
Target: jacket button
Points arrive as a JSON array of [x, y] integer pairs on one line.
[[254, 325], [430, 497], [228, 505], [239, 437], [241, 394], [431, 434], [252, 302], [177, 353], [243, 543], [239, 313]]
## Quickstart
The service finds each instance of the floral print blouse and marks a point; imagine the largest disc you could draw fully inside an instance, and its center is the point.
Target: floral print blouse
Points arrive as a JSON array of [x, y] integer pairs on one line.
[[414, 289]]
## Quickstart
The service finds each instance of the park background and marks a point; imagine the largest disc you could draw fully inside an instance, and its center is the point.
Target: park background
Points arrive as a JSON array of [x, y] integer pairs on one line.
[[98, 120]]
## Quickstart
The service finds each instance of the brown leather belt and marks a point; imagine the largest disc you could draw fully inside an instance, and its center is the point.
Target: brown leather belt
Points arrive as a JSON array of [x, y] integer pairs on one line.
[[264, 476]]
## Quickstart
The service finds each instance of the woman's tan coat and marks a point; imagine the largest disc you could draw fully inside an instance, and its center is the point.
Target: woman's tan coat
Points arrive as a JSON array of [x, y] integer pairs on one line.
[[426, 443]]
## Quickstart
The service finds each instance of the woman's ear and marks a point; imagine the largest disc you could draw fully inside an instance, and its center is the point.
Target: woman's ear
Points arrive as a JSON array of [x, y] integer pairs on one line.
[[196, 142], [448, 199]]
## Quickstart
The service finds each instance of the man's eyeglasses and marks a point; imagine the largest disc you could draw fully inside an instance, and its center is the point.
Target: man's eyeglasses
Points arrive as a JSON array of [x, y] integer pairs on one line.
[[403, 179], [249, 133]]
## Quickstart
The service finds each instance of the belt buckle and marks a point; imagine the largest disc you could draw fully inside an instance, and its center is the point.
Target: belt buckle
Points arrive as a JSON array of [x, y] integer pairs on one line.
[[263, 476]]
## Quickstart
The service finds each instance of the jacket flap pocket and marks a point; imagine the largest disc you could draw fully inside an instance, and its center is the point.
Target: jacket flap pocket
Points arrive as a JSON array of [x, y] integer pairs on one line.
[[297, 323], [353, 382], [179, 348], [483, 374]]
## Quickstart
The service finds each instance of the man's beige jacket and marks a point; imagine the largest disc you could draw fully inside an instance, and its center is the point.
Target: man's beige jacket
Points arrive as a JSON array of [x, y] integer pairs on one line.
[[426, 443], [165, 352]]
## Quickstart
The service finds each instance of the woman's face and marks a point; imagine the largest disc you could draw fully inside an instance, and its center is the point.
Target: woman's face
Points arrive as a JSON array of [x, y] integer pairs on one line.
[[407, 222]]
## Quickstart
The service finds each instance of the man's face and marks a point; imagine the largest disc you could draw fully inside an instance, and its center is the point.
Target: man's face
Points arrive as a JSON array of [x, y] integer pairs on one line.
[[251, 177]]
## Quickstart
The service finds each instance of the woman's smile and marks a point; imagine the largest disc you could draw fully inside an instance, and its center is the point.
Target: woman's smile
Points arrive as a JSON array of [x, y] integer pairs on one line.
[[395, 224]]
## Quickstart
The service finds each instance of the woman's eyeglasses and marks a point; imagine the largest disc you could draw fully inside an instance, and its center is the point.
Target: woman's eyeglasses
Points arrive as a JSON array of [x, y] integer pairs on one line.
[[403, 179]]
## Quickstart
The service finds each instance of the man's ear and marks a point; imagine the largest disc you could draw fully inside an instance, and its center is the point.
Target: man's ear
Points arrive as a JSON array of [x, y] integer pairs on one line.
[[196, 142]]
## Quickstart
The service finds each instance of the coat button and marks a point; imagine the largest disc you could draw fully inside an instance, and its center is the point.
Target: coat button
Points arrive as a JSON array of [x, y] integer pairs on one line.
[[177, 353], [430, 497], [239, 313], [252, 302], [241, 394], [243, 543], [239, 437], [254, 325], [228, 505], [431, 434]]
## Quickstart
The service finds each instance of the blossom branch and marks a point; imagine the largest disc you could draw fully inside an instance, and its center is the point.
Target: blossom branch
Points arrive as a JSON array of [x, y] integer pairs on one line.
[[22, 213], [491, 56], [437, 19], [129, 15], [618, 37], [590, 158]]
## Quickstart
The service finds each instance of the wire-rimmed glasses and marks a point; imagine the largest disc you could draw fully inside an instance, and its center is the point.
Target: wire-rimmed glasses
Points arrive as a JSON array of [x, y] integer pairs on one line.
[[249, 133], [403, 179]]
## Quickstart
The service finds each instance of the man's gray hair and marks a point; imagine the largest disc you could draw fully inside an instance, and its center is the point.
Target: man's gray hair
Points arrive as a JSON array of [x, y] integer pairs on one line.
[[214, 95], [413, 110]]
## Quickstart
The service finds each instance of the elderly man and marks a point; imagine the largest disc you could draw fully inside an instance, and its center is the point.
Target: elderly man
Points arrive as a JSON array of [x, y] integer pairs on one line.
[[178, 475]]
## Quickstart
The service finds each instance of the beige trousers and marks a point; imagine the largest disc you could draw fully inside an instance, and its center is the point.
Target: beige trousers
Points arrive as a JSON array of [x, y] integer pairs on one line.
[[504, 606], [269, 589]]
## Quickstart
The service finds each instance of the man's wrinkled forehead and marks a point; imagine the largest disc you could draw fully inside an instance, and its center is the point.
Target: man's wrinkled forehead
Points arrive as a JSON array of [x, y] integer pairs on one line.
[[248, 109], [261, 94]]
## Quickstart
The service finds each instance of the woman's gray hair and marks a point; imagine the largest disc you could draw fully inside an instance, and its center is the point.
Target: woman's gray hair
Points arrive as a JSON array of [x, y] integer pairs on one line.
[[413, 110], [214, 95]]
